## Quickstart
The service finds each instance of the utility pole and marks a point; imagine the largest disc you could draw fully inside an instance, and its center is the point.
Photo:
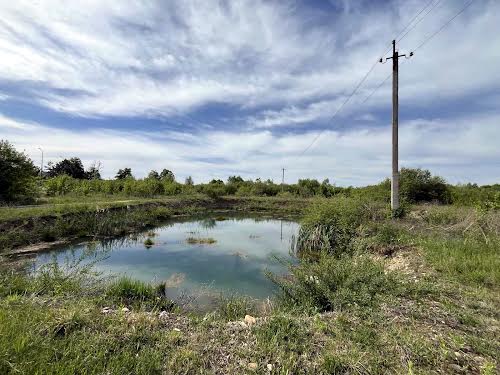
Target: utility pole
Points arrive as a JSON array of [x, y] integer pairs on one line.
[[283, 180], [41, 165], [395, 119]]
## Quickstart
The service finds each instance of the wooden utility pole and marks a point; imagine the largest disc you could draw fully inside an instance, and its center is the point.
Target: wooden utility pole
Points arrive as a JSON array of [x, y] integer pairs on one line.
[[395, 119]]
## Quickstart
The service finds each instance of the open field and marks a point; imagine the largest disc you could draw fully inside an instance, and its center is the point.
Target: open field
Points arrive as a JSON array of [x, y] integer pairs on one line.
[[371, 295]]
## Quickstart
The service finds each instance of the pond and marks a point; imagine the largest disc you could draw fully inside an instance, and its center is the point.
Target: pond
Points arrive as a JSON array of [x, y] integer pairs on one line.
[[227, 254]]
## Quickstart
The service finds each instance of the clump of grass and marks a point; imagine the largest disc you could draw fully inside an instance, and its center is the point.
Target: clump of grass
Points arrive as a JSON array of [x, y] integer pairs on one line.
[[233, 307], [128, 288], [220, 218], [201, 241], [331, 226], [148, 242], [334, 283], [131, 291]]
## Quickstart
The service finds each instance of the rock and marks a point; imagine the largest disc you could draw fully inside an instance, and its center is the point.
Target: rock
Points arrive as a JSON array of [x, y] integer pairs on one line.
[[250, 320], [269, 367], [456, 368], [163, 315], [252, 365], [125, 310], [106, 310], [177, 330]]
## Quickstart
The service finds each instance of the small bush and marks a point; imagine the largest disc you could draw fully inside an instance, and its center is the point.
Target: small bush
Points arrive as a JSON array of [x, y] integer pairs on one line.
[[334, 283], [331, 226]]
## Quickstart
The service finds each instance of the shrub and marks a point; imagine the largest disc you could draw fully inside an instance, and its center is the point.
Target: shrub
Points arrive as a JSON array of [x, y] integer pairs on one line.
[[17, 174], [331, 225], [334, 283], [418, 185]]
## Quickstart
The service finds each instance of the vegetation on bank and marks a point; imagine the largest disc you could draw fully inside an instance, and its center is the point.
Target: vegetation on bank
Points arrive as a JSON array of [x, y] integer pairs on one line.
[[414, 295], [367, 293]]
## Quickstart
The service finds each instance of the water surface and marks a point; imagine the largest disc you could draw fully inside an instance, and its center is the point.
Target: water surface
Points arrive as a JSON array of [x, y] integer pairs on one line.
[[244, 249]]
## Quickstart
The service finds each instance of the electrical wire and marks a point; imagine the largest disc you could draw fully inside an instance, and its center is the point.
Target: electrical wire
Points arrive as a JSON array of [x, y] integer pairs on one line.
[[444, 25]]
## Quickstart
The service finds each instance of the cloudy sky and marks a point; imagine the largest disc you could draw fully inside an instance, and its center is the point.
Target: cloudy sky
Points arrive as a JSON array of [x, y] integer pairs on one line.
[[217, 88]]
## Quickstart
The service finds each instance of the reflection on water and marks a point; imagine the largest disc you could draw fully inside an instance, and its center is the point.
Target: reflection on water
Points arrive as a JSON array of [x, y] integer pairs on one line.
[[243, 249]]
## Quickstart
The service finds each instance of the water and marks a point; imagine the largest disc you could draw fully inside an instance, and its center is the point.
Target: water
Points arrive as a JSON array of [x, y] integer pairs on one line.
[[236, 263]]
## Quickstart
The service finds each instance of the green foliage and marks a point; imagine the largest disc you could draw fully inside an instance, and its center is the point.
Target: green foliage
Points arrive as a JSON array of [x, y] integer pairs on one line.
[[214, 189], [124, 174], [331, 283], [233, 307], [17, 174], [418, 185], [331, 225], [70, 167], [167, 175]]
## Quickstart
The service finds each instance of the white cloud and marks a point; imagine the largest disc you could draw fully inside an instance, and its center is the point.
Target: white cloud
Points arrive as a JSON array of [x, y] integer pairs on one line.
[[461, 150], [158, 58]]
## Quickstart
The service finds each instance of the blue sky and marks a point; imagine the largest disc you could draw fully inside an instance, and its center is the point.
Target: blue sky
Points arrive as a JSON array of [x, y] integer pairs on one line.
[[217, 88]]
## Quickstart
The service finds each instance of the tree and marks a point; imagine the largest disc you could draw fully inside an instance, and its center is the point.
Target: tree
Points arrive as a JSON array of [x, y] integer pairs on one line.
[[17, 173], [189, 181], [71, 167], [154, 175], [235, 180], [167, 175], [94, 172], [124, 173]]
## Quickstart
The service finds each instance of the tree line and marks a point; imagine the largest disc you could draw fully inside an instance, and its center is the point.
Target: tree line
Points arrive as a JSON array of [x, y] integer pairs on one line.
[[22, 181]]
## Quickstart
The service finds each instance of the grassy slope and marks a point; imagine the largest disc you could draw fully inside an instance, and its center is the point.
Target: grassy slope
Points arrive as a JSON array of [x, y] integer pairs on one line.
[[432, 306]]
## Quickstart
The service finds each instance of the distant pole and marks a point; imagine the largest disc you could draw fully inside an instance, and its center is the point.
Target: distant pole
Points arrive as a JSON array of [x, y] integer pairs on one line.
[[395, 119], [283, 180], [41, 165]]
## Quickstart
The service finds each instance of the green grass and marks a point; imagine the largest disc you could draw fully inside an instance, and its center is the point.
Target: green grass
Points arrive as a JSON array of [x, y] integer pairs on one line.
[[416, 295]]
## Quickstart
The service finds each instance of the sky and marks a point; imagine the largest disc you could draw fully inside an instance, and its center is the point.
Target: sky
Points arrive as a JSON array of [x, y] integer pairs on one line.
[[211, 89]]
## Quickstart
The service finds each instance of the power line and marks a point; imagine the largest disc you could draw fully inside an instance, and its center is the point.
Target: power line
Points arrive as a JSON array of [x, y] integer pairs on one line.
[[420, 20], [444, 25], [368, 73]]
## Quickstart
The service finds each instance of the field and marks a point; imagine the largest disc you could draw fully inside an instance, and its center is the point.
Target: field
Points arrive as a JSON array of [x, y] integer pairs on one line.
[[372, 294]]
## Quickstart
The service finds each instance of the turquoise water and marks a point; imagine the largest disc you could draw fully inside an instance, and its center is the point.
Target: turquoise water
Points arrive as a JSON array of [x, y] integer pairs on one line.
[[244, 249]]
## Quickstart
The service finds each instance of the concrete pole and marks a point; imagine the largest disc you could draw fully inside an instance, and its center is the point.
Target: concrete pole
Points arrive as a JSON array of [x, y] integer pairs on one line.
[[395, 156]]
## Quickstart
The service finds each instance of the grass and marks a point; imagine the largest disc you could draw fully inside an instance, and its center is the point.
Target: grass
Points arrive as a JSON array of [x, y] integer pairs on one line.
[[201, 241], [414, 295]]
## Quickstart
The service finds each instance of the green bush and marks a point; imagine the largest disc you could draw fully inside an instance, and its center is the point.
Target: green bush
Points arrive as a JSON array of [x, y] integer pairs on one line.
[[331, 225], [17, 174], [418, 185], [331, 283]]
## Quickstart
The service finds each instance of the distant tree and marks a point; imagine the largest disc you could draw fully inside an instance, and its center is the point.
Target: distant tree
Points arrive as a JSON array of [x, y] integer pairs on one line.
[[124, 173], [71, 167], [17, 173], [154, 175], [94, 171], [189, 181], [167, 175], [235, 180]]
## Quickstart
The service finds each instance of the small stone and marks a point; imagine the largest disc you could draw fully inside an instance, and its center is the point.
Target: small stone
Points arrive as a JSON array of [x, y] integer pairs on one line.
[[250, 320], [106, 310], [252, 366], [269, 367], [163, 315], [125, 310], [177, 330], [456, 368]]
